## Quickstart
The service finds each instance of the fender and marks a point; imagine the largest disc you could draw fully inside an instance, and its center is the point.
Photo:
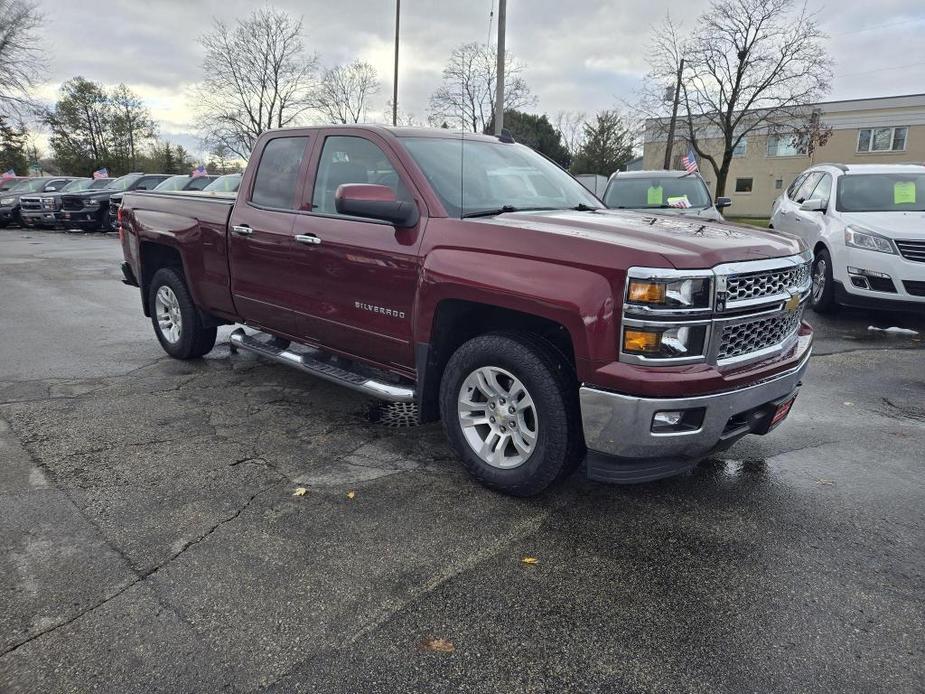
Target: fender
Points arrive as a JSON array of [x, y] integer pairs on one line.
[[578, 299]]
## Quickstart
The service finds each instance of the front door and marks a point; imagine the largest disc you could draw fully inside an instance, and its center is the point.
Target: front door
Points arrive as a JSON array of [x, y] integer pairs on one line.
[[360, 293], [266, 275]]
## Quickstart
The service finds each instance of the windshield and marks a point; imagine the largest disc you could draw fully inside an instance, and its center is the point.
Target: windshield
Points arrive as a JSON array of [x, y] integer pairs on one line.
[[33, 186], [101, 183], [12, 185], [656, 192], [172, 183], [77, 184], [478, 176], [903, 192], [225, 184], [123, 182]]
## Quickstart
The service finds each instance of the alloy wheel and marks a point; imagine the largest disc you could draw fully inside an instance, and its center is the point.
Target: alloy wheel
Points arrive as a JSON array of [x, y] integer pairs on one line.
[[167, 310]]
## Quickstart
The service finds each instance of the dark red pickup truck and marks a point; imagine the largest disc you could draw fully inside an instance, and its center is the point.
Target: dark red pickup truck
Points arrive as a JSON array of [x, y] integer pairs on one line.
[[473, 277]]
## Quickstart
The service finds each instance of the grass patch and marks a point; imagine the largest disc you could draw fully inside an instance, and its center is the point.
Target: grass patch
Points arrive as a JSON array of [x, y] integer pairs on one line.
[[762, 222]]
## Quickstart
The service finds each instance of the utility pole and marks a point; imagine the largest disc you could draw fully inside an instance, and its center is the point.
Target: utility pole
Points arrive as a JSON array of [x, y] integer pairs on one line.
[[499, 86], [674, 115], [395, 80]]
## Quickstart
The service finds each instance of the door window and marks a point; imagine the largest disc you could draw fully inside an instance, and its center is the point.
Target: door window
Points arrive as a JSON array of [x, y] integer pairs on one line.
[[352, 160], [795, 186], [277, 179], [807, 187], [823, 189]]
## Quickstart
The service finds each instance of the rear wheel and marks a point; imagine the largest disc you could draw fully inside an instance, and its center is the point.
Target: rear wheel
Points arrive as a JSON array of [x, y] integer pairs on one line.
[[823, 293], [176, 321], [510, 410]]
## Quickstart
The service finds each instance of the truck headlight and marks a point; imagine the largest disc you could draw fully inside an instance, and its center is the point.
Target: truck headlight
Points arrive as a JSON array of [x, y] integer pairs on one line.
[[865, 239], [664, 342], [690, 292], [7, 201]]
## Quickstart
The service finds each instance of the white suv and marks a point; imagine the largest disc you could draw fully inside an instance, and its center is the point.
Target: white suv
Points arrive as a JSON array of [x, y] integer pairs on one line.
[[866, 226]]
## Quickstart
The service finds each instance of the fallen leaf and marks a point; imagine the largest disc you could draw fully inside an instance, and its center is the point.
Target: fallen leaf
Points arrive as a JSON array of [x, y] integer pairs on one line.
[[351, 494], [299, 491], [822, 481], [529, 560], [438, 645]]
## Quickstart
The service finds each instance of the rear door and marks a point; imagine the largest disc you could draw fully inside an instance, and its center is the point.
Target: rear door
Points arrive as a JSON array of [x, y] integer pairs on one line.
[[360, 274], [267, 277]]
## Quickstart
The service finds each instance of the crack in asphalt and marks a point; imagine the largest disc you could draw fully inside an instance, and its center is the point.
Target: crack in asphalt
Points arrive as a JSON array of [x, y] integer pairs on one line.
[[140, 576]]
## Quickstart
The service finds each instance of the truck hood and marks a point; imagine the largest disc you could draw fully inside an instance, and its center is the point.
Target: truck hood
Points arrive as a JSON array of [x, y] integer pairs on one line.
[[894, 225], [685, 243]]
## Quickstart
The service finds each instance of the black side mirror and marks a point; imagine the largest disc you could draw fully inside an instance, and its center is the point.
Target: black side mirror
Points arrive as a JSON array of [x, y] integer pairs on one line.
[[375, 202], [723, 203]]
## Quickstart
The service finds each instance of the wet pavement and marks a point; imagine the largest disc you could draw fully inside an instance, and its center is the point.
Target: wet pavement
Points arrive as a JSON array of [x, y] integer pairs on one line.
[[150, 540]]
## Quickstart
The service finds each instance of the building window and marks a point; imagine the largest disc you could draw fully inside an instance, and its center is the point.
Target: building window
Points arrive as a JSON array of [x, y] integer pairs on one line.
[[783, 146], [778, 184], [743, 185], [882, 139], [740, 149]]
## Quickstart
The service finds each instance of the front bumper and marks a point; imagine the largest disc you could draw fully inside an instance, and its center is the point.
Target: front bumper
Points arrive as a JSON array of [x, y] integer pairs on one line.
[[901, 272], [38, 217], [90, 217], [618, 428]]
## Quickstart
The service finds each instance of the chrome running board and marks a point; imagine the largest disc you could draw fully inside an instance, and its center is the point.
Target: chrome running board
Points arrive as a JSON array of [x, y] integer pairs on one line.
[[322, 369]]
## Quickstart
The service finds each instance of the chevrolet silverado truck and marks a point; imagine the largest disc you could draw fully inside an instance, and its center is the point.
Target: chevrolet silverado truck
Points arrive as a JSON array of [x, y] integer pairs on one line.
[[471, 276], [89, 210]]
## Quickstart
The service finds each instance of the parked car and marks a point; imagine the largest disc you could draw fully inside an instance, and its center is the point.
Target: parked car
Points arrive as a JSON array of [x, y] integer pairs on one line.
[[542, 328], [43, 209], [10, 200], [224, 184], [12, 182], [666, 192], [178, 183], [866, 226], [89, 210]]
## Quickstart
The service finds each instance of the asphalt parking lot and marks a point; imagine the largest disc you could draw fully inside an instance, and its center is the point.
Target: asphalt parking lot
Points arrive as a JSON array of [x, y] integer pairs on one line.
[[150, 540]]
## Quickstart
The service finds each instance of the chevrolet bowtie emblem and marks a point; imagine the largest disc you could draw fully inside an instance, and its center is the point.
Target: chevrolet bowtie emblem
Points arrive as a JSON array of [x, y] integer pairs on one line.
[[793, 302]]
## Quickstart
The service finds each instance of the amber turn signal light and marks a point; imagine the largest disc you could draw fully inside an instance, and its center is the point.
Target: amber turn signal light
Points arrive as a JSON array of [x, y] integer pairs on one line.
[[642, 292], [641, 341]]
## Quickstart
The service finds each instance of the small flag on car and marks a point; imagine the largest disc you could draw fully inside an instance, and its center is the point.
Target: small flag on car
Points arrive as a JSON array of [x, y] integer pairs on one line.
[[8, 174], [101, 173], [689, 161], [200, 171]]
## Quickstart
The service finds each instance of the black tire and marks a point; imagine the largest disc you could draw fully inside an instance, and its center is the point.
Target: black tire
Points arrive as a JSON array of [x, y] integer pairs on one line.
[[824, 301], [551, 383], [194, 339]]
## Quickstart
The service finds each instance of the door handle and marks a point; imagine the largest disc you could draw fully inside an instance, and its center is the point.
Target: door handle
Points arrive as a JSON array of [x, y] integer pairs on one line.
[[242, 230], [309, 239]]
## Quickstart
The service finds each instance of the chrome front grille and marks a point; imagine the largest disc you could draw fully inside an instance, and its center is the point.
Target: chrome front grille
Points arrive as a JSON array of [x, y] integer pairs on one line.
[[753, 335], [30, 204], [912, 250], [766, 283]]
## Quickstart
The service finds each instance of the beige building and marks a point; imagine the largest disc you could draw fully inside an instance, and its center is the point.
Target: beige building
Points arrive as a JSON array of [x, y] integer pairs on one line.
[[888, 130]]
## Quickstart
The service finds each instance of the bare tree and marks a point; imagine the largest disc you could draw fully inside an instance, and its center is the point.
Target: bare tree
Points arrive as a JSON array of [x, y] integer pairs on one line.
[[466, 98], [21, 61], [132, 125], [344, 92], [405, 119], [749, 65], [257, 76], [571, 127]]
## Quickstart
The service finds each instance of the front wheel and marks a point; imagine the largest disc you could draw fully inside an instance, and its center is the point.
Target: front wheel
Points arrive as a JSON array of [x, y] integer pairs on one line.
[[510, 410], [823, 294], [176, 321]]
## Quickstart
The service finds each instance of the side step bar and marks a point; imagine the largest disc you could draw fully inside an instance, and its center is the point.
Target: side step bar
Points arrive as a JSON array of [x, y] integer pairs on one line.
[[322, 369]]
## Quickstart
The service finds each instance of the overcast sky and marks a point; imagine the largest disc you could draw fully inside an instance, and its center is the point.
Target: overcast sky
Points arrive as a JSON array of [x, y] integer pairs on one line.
[[580, 55]]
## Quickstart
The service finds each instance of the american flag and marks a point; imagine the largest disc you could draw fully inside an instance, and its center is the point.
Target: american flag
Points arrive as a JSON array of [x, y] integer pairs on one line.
[[681, 202], [689, 161], [101, 173], [8, 174], [200, 171]]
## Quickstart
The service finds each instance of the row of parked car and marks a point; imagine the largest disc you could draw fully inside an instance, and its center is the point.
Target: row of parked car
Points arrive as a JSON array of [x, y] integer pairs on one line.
[[90, 204], [865, 224]]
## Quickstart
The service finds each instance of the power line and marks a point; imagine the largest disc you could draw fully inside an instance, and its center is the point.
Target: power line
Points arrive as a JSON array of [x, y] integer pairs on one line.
[[879, 69], [884, 25]]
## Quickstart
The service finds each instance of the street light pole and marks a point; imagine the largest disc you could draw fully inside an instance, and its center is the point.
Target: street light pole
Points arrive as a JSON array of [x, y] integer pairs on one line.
[[499, 86], [395, 79], [674, 115]]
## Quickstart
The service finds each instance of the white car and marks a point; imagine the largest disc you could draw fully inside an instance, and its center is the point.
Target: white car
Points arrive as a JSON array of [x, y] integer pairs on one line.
[[866, 226]]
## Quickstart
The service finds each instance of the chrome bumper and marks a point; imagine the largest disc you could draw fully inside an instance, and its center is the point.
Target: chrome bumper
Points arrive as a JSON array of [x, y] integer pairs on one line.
[[621, 425]]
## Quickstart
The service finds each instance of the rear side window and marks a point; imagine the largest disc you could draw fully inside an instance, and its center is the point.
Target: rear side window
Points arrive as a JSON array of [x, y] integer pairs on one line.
[[277, 179], [150, 182]]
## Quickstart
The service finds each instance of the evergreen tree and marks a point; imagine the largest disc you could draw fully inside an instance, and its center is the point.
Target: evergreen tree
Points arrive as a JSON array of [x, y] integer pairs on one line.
[[608, 145], [536, 132], [12, 148]]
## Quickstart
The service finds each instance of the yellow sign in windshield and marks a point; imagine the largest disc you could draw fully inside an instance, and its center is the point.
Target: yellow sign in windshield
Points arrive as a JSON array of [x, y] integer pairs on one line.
[[655, 195], [904, 193]]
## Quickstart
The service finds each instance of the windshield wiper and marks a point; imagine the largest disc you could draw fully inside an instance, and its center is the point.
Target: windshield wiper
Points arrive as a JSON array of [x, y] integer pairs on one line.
[[490, 213], [581, 207]]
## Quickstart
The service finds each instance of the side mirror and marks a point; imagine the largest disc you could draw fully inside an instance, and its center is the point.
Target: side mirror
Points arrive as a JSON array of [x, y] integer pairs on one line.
[[375, 202], [813, 205], [723, 203]]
